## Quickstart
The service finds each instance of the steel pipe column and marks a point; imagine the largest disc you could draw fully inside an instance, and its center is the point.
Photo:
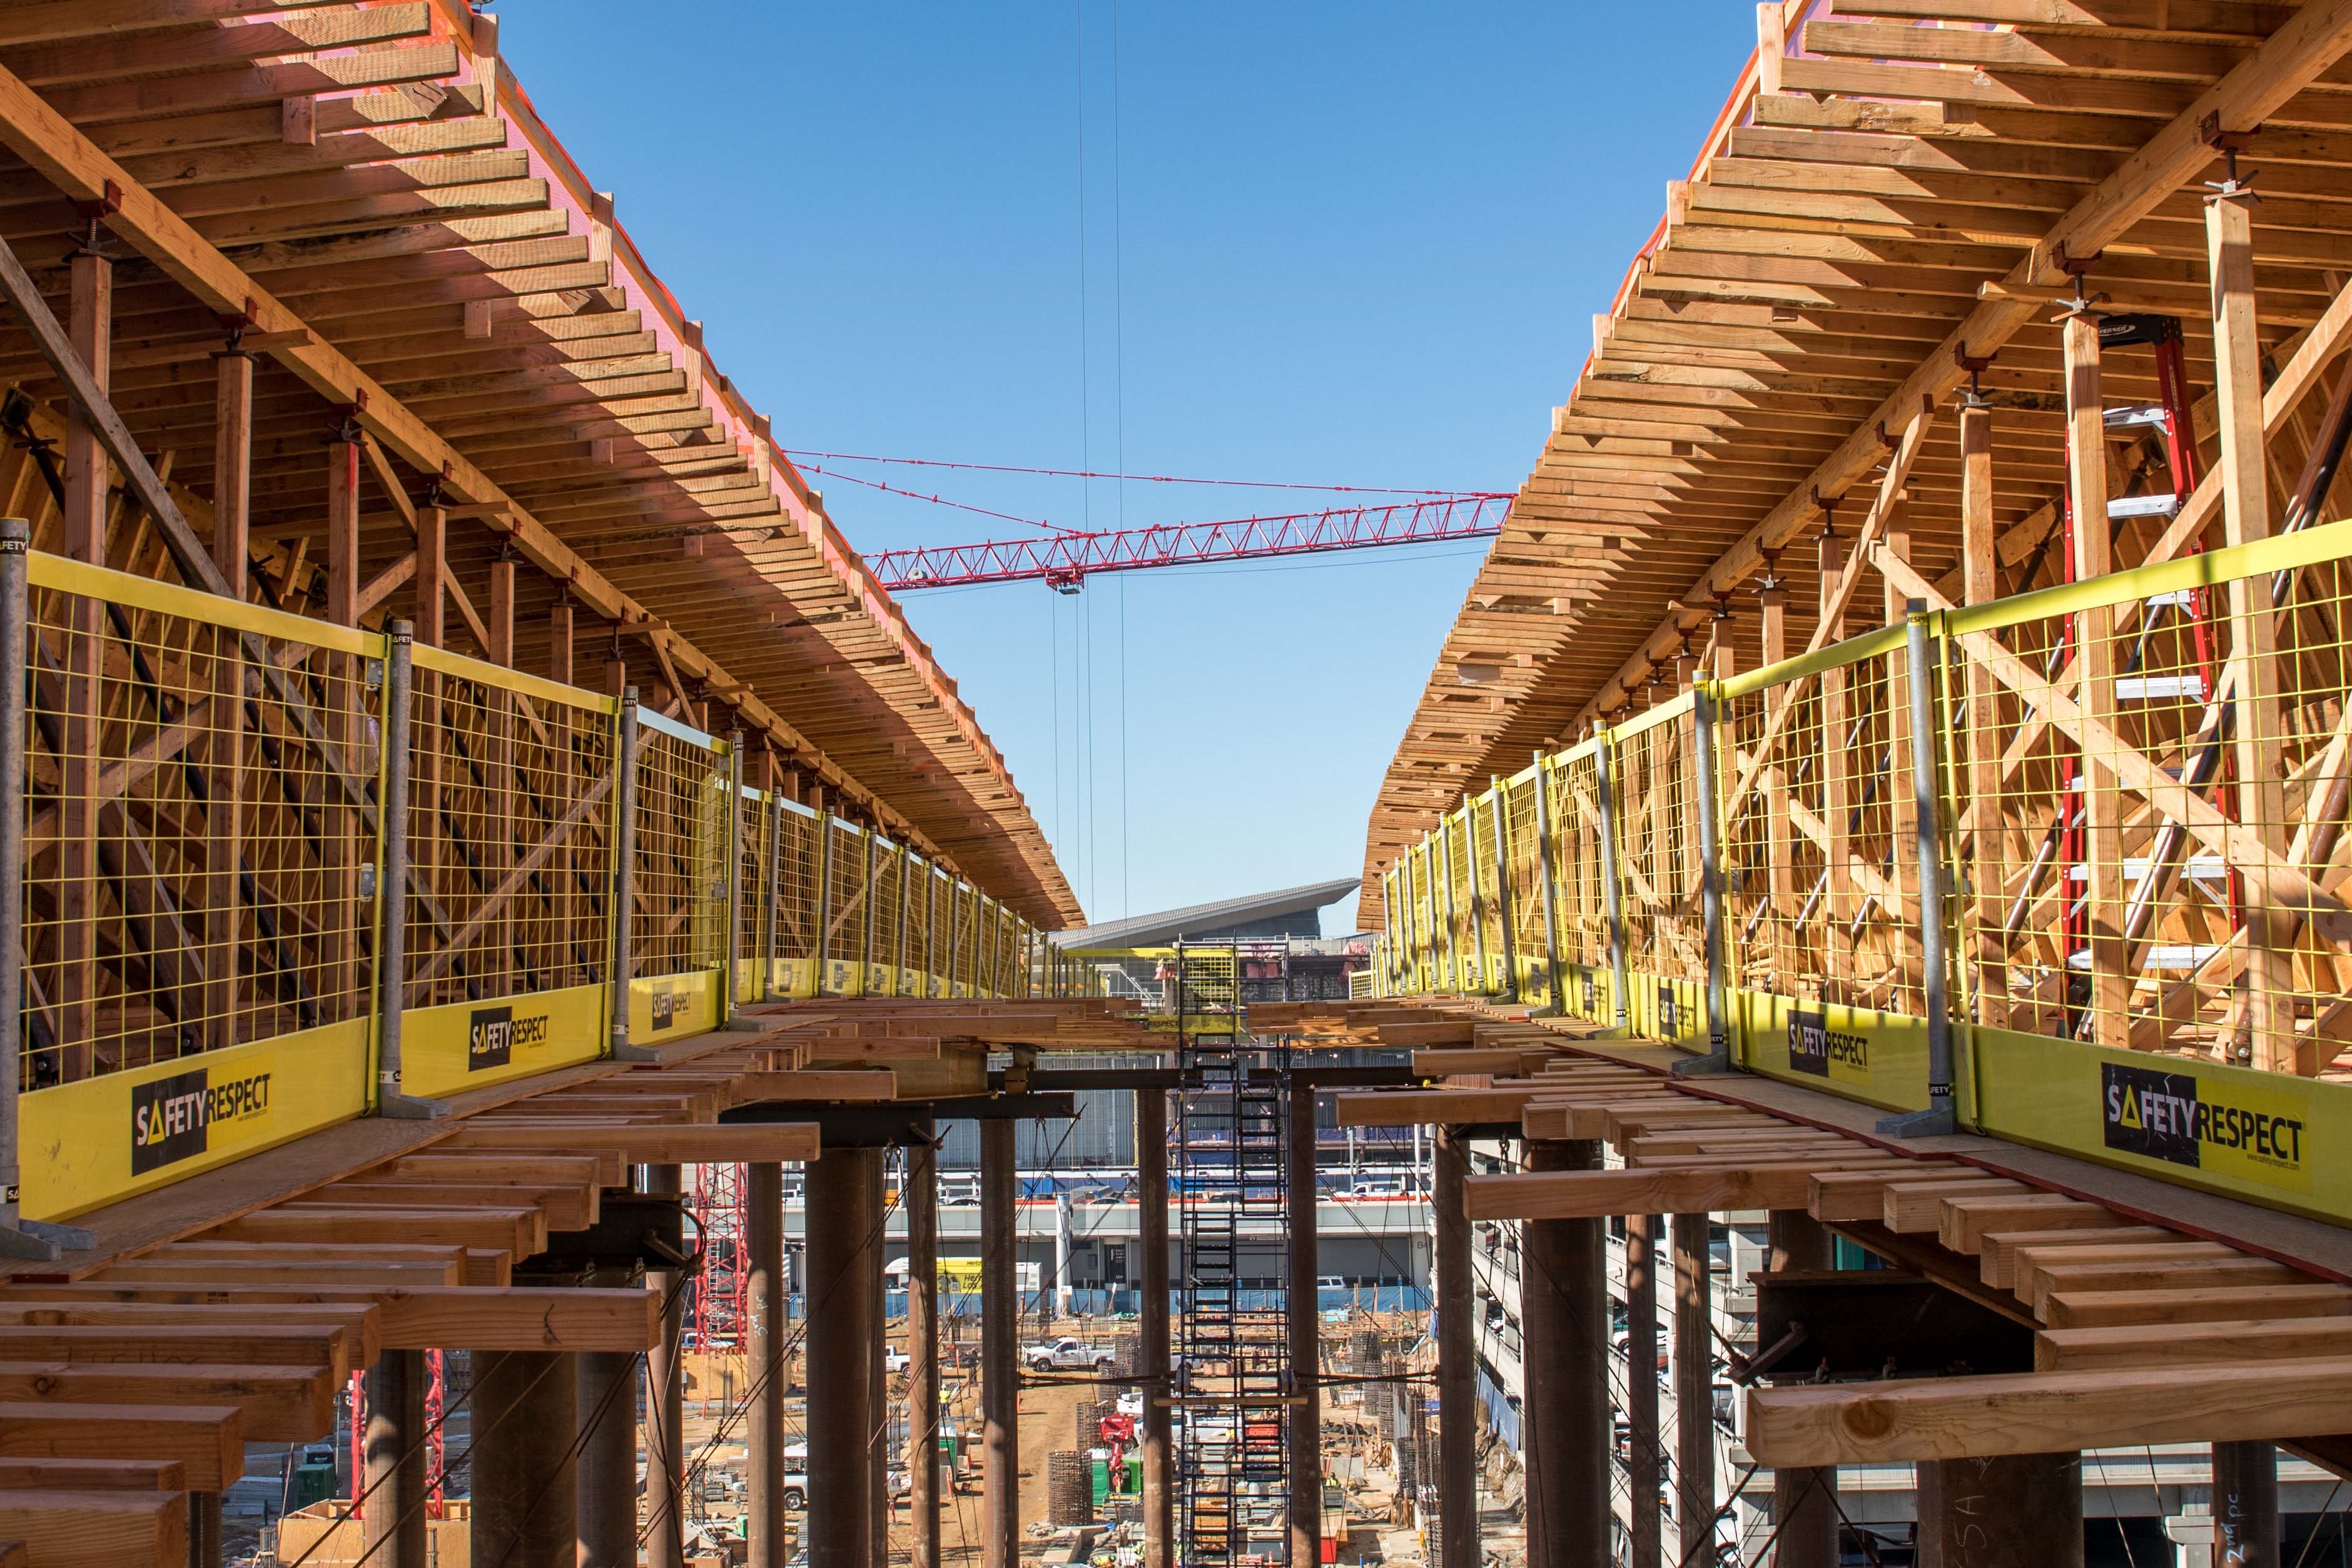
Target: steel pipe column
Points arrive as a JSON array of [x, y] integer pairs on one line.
[[1000, 1370], [844, 1405], [1646, 1461], [1457, 1390], [395, 1482], [665, 1404], [764, 1350], [1804, 1501], [2245, 1506], [2022, 1510], [1566, 1425], [526, 1409], [1152, 1181], [923, 1351], [1694, 1386], [607, 1404], [1302, 1323]]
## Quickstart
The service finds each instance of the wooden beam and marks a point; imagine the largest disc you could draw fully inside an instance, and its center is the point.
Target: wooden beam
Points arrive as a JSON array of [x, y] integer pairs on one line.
[[122, 1529], [279, 1404], [2043, 1413], [855, 1085], [520, 1231], [206, 1441], [2096, 1308], [789, 1141], [2212, 1343], [1592, 1195]]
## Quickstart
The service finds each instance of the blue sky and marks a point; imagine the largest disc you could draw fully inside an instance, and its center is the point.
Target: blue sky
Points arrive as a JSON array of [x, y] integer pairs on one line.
[[1327, 244]]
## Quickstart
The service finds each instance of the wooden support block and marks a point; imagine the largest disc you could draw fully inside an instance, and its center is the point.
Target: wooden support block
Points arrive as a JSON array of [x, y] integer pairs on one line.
[[2052, 1277], [252, 1343], [1909, 1208], [522, 1318], [703, 1107], [2193, 1305], [1431, 1107], [2043, 1413], [521, 1231], [2214, 1343], [356, 1319], [1967, 1220], [1617, 1122], [566, 1207], [884, 1048], [279, 1404], [748, 1142], [1849, 1197], [492, 1267], [206, 1441], [1500, 1062], [94, 1475], [250, 1271], [2000, 1247], [1662, 1146], [120, 1529], [854, 1086], [2037, 1267], [1843, 1156], [1593, 1195], [503, 1170]]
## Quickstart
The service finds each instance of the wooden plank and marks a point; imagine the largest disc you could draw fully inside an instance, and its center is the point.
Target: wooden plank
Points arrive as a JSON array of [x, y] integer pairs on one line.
[[1592, 1195], [120, 1528], [602, 1170], [1909, 1207], [1835, 1196], [279, 1404], [2039, 1270], [357, 1319], [1998, 1265], [327, 1345], [1431, 1107], [2041, 1412], [2213, 1343], [855, 1086], [521, 1231], [2056, 1277], [2192, 1304], [1966, 1219], [206, 1441], [566, 1207], [237, 1271], [94, 1475], [746, 1143]]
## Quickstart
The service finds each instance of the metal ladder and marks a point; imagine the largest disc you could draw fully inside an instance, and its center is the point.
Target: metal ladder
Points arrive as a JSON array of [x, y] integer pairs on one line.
[[1232, 1170]]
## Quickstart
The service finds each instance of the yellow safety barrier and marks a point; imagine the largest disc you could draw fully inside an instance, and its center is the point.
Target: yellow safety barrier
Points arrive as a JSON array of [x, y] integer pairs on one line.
[[206, 882], [2137, 790]]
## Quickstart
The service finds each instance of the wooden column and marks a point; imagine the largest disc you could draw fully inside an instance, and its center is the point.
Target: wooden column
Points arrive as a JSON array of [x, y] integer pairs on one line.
[[1565, 1415], [2245, 1506], [1457, 1347], [765, 1347], [559, 639], [1694, 1386], [923, 1351], [1772, 615], [1980, 578], [395, 1524], [2267, 1000], [1647, 1455], [664, 1485], [339, 842], [1000, 1367], [1804, 1501], [2025, 1510], [429, 613], [223, 759], [1151, 1223], [526, 1499], [1835, 915], [2094, 659], [1894, 778], [90, 324], [844, 1405]]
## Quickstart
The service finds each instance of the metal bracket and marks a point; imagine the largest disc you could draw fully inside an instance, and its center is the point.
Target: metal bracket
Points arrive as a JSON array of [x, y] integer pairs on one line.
[[2229, 143], [1938, 1122], [1976, 368]]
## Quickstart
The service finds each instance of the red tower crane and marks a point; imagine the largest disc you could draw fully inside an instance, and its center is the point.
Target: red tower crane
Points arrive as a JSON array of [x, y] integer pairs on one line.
[[1064, 560]]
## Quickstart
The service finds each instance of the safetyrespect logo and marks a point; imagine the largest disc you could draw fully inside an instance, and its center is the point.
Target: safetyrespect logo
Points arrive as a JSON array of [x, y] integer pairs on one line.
[[2226, 1128], [493, 1033], [171, 1119]]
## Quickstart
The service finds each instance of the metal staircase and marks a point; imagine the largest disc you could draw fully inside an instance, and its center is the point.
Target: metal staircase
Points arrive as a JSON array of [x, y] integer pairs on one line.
[[1231, 1180]]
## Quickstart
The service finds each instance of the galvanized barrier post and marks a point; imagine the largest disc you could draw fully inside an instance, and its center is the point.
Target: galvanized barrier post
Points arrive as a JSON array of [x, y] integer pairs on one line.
[[391, 890], [1612, 899], [19, 1238], [1503, 889], [822, 952], [1477, 893], [1710, 885], [731, 950], [625, 876], [772, 932], [1545, 874], [1453, 920], [1940, 1117]]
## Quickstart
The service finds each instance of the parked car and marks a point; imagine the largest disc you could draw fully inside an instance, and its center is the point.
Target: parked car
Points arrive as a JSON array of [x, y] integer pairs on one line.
[[1065, 1354]]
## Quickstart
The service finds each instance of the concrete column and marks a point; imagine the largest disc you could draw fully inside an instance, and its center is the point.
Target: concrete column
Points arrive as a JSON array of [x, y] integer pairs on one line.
[[1646, 1461], [2023, 1511], [1000, 1367], [923, 1351], [1457, 1388], [843, 1318], [1565, 1417], [1303, 1321], [764, 1350], [1159, 1471], [1804, 1501], [2245, 1506], [606, 1513], [525, 1480], [1694, 1388], [666, 1408], [394, 1452]]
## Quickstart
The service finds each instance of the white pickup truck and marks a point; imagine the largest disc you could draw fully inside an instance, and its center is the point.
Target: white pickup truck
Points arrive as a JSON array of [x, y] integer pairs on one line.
[[1065, 1354]]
